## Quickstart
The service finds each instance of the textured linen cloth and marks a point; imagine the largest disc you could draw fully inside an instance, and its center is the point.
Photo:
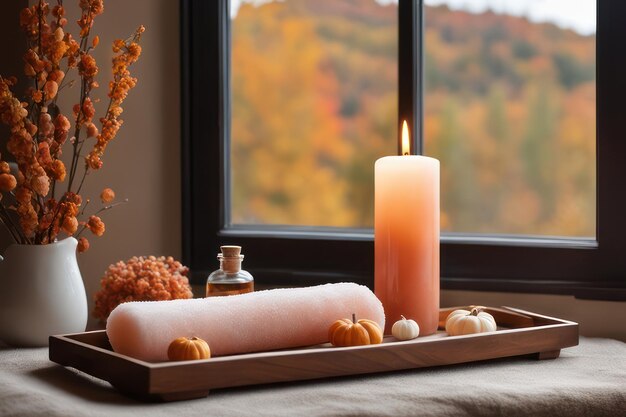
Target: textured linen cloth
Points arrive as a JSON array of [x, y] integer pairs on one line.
[[587, 380]]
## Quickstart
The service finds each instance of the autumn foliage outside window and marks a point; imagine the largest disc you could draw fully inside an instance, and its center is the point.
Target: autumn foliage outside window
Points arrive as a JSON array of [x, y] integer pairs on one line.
[[509, 109], [42, 200]]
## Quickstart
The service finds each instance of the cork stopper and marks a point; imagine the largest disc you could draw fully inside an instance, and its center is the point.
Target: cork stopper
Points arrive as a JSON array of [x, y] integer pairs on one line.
[[230, 251], [230, 259]]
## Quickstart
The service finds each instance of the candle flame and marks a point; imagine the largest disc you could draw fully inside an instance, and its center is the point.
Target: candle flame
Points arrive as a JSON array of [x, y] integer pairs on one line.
[[406, 145]]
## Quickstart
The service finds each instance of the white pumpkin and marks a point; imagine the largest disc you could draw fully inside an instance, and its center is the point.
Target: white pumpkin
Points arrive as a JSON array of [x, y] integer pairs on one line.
[[405, 329], [467, 322]]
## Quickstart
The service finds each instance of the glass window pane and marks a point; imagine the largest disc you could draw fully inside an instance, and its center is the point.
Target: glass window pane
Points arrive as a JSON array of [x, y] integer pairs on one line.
[[509, 110], [314, 104], [510, 104]]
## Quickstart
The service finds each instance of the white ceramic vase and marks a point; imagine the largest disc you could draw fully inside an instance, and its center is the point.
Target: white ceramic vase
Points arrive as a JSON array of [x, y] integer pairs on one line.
[[41, 293]]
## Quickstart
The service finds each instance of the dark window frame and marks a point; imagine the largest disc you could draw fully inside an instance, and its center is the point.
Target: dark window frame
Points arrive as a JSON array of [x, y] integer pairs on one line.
[[586, 268]]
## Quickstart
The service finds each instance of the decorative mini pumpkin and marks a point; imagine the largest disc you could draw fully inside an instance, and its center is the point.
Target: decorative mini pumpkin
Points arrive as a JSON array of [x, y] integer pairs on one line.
[[405, 329], [467, 322], [184, 349], [346, 332]]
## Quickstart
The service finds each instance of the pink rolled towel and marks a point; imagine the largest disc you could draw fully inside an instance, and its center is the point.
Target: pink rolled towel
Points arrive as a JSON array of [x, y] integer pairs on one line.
[[253, 322]]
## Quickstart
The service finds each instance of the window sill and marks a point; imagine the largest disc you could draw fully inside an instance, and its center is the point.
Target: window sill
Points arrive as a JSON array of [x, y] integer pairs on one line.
[[272, 278]]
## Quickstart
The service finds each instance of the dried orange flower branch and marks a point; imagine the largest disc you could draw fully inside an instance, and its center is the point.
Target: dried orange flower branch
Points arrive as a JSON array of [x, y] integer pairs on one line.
[[29, 206]]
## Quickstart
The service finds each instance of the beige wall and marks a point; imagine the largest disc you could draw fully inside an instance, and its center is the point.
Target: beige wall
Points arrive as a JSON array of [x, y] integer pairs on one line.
[[143, 164]]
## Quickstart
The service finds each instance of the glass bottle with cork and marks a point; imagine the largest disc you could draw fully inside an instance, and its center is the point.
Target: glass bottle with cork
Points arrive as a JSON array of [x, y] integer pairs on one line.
[[230, 279]]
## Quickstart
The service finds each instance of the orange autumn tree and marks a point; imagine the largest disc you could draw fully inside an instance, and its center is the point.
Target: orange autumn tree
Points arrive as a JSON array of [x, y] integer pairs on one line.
[[293, 128], [265, 139], [42, 199]]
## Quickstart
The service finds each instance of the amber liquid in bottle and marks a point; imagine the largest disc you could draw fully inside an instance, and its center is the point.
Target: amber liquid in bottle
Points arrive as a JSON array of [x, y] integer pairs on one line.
[[213, 289], [230, 279]]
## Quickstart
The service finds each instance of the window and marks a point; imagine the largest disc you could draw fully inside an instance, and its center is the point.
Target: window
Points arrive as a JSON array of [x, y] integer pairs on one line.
[[305, 253], [314, 99], [510, 110]]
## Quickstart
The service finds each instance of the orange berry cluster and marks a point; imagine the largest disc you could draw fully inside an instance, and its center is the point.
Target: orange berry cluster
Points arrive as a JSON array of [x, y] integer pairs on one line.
[[141, 279]]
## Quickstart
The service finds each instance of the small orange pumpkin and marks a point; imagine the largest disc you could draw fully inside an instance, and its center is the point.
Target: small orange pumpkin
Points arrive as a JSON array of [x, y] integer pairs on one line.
[[346, 332], [185, 349]]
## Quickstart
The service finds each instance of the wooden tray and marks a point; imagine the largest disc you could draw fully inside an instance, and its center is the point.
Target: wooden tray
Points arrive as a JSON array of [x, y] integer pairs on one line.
[[520, 333]]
